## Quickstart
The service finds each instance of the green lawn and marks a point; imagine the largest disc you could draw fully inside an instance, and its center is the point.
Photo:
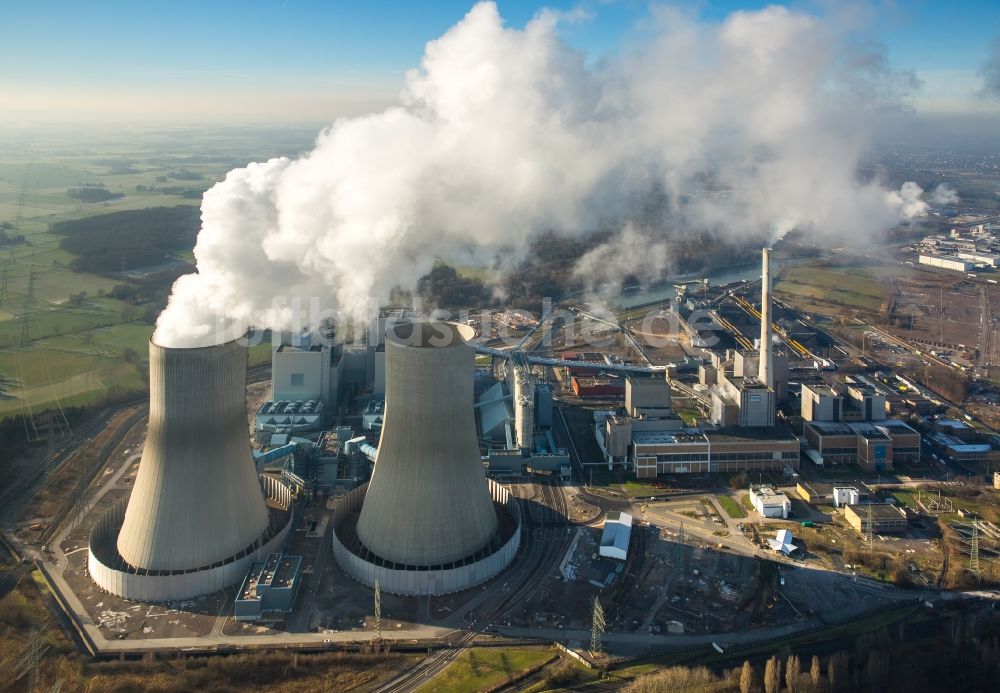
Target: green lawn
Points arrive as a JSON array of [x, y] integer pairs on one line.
[[731, 507], [860, 287], [746, 502], [484, 667]]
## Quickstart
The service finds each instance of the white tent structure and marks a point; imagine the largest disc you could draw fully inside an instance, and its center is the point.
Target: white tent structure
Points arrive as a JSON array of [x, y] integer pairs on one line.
[[783, 542], [615, 538]]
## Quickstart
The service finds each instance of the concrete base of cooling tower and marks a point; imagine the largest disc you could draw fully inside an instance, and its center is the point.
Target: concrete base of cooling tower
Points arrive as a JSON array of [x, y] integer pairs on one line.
[[360, 564], [111, 573]]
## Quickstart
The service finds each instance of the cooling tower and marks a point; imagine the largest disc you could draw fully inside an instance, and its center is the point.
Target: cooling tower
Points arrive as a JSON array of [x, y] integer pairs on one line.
[[197, 516], [196, 499], [428, 502], [766, 368]]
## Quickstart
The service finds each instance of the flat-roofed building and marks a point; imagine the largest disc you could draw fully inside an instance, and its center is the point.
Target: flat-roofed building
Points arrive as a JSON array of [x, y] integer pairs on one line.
[[269, 588], [734, 449], [905, 440], [886, 519], [770, 503], [647, 396], [869, 402], [821, 403], [669, 452], [874, 447], [834, 441], [760, 448], [815, 492]]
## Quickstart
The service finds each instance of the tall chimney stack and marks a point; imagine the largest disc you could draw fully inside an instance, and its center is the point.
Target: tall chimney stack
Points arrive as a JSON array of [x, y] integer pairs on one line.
[[766, 370]]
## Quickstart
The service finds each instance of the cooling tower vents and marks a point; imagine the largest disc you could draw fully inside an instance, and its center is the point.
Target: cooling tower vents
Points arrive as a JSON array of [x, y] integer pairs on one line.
[[197, 515], [428, 522]]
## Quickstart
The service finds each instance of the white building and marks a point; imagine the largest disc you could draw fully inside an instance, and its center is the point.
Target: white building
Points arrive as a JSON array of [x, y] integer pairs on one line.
[[304, 372], [770, 503], [616, 534], [952, 263], [845, 495]]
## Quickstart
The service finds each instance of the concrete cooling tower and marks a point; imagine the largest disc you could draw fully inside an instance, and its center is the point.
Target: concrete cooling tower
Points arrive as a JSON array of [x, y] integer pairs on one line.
[[197, 515], [429, 521]]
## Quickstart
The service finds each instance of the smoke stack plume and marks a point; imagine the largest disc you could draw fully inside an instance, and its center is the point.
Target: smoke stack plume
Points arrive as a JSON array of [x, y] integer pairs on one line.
[[766, 368]]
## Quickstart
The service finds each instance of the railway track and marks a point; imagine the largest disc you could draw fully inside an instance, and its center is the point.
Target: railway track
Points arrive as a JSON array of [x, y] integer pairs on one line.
[[542, 546]]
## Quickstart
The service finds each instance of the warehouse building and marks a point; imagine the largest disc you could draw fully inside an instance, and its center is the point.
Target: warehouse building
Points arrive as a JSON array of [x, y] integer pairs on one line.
[[886, 519], [616, 536], [946, 262]]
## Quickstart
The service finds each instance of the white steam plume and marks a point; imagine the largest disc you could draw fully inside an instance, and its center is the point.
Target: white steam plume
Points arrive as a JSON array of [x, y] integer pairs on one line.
[[944, 194], [754, 125]]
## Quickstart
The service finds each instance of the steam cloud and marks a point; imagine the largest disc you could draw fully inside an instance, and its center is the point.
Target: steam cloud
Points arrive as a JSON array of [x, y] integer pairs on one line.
[[944, 194], [754, 125]]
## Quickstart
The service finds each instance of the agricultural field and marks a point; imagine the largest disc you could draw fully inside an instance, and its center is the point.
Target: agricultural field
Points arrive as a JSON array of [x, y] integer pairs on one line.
[[825, 289], [65, 339]]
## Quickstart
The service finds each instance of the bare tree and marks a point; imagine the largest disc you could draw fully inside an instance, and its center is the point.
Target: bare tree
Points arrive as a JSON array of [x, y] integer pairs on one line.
[[747, 678], [772, 676], [836, 671], [816, 673], [792, 671]]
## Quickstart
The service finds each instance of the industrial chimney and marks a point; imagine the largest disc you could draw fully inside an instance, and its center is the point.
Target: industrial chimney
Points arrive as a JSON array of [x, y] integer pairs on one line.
[[766, 369], [197, 515], [428, 502]]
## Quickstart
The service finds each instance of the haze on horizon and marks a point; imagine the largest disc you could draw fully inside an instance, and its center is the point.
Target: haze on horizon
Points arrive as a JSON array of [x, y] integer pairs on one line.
[[296, 61]]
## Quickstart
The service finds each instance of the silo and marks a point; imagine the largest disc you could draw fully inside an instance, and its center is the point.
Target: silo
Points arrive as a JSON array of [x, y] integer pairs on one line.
[[428, 502], [197, 500], [524, 406]]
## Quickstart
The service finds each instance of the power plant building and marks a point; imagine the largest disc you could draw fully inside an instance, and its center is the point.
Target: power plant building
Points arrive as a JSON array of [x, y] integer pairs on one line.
[[695, 451], [429, 521], [269, 589], [197, 516]]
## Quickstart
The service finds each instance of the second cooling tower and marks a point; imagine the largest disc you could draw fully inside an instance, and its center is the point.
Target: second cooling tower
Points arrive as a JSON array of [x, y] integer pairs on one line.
[[429, 521]]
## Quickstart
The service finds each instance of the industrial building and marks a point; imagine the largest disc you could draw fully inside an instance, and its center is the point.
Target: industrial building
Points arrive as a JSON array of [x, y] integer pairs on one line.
[[429, 521], [874, 445], [821, 402], [289, 417], [269, 589], [988, 259], [819, 493], [197, 516], [770, 503], [616, 535], [713, 450], [885, 518], [950, 262]]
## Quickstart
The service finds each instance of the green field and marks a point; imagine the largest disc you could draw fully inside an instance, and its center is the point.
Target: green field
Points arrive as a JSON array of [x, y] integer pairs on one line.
[[858, 287], [79, 339], [731, 507], [481, 668]]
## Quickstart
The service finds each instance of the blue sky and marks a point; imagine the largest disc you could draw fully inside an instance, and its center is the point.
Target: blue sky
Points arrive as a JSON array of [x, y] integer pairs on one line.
[[309, 60]]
